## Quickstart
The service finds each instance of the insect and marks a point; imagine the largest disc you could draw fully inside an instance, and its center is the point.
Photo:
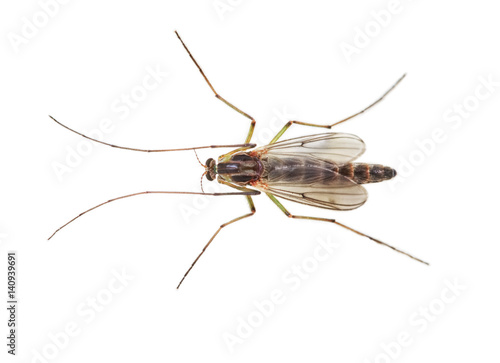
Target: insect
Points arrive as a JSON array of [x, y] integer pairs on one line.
[[316, 170]]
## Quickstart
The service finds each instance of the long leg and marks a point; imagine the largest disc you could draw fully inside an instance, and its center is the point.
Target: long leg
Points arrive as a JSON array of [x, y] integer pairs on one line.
[[252, 212], [242, 146], [243, 191], [290, 123], [288, 214], [252, 123]]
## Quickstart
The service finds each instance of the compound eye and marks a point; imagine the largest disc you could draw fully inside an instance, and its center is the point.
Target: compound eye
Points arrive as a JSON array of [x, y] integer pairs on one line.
[[210, 163]]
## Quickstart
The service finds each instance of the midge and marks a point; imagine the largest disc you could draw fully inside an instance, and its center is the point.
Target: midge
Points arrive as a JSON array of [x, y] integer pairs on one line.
[[316, 170]]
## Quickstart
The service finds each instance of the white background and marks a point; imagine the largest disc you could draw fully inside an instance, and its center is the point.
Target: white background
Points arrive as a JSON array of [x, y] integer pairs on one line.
[[265, 57]]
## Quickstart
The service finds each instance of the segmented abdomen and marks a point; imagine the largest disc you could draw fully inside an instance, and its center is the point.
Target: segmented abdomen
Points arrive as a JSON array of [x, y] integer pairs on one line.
[[305, 170], [362, 173]]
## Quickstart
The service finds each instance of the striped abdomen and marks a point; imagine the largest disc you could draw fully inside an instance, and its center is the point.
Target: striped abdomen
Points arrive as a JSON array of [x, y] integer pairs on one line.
[[306, 170], [362, 173]]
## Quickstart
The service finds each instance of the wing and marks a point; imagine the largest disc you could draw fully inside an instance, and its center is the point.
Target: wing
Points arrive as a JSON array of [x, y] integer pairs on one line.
[[303, 170], [341, 194], [335, 147]]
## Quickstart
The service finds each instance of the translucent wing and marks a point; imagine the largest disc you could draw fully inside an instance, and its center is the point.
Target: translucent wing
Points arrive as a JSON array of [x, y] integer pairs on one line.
[[335, 147], [305, 170], [343, 194], [311, 181]]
